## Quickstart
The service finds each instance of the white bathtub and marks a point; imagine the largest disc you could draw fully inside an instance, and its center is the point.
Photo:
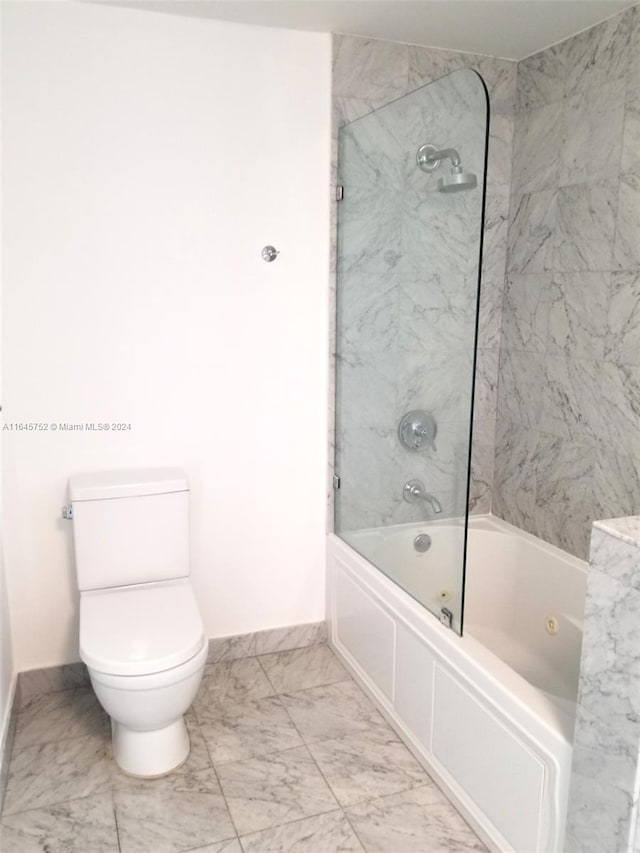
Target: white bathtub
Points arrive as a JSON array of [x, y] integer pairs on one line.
[[489, 714]]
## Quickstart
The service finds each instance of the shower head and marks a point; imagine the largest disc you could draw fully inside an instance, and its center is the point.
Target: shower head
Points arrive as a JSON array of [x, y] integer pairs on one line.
[[457, 181], [429, 158]]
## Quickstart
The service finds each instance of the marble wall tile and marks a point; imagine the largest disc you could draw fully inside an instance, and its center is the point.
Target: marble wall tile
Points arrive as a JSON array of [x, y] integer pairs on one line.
[[263, 642], [347, 109], [367, 312], [486, 387], [501, 129], [515, 469], [294, 637], [500, 77], [616, 558], [490, 312], [540, 79], [622, 339], [619, 407], [525, 312], [429, 317], [585, 226], [591, 826], [358, 374], [531, 231], [370, 229], [617, 483], [536, 145], [631, 136], [521, 380], [369, 68], [592, 134], [599, 54], [571, 399], [590, 394], [427, 65], [578, 304], [567, 528], [517, 508], [563, 471], [603, 795], [436, 320], [496, 225], [482, 460], [436, 380], [627, 243]]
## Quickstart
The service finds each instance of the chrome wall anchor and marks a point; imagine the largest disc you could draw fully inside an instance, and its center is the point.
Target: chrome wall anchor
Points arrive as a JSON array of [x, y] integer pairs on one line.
[[269, 254]]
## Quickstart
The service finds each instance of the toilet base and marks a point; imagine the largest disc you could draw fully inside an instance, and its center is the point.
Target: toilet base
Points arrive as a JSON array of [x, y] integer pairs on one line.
[[148, 754]]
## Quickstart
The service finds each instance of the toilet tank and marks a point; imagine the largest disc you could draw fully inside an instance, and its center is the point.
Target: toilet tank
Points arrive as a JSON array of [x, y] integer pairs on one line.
[[130, 527]]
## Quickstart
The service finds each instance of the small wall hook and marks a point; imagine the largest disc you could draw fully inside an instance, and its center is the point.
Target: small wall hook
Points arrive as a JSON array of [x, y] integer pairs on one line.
[[269, 254]]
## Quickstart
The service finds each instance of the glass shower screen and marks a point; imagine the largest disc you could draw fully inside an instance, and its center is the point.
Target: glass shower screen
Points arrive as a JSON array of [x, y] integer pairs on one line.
[[409, 246]]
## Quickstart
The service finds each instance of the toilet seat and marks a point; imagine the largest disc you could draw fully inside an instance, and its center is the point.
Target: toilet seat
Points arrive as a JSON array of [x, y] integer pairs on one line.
[[140, 630]]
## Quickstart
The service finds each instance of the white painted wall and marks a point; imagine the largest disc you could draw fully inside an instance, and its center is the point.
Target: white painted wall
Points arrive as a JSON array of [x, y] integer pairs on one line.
[[148, 159], [7, 672], [6, 658]]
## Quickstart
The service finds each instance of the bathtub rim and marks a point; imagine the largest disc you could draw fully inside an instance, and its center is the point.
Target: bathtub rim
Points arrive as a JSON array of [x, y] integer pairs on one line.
[[481, 521]]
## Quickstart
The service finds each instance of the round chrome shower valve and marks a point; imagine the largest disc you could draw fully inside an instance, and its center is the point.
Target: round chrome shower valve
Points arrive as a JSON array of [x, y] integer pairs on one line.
[[424, 158]]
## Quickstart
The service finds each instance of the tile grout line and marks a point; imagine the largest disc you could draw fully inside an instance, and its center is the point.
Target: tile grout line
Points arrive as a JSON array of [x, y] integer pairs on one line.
[[326, 781], [290, 822], [428, 783], [222, 793], [53, 805], [115, 817], [266, 675]]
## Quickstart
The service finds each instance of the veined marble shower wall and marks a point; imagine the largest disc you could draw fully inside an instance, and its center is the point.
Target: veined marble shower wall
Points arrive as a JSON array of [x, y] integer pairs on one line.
[[408, 254], [366, 75], [568, 426]]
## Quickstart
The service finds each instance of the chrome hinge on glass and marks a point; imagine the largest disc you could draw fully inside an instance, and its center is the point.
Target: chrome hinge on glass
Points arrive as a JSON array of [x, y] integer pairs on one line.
[[336, 481], [446, 617], [339, 192]]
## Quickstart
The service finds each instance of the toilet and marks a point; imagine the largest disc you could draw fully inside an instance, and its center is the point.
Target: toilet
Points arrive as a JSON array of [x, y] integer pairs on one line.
[[141, 633]]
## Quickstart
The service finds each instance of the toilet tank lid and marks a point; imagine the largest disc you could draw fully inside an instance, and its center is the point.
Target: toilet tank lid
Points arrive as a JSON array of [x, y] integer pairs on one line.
[[135, 482]]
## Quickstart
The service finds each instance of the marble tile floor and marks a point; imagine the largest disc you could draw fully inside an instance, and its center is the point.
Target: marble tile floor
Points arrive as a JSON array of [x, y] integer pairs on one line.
[[288, 754]]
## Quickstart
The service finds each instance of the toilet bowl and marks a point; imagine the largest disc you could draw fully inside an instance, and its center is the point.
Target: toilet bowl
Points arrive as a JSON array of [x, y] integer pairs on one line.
[[145, 651], [141, 633]]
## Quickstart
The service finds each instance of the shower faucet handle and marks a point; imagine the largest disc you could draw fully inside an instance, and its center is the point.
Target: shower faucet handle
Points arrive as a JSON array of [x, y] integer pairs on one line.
[[417, 431], [414, 491]]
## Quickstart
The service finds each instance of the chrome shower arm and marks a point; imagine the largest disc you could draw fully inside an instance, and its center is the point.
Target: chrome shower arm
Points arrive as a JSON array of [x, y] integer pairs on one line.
[[443, 154]]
